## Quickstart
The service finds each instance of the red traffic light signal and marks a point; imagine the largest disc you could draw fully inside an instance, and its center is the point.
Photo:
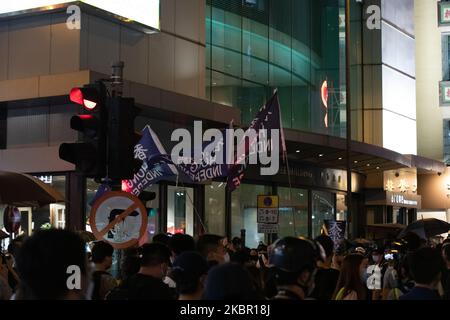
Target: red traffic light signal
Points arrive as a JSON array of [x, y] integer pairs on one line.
[[88, 97]]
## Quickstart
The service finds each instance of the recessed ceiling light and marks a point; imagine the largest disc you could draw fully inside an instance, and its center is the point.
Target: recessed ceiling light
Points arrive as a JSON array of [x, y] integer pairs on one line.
[[340, 158], [378, 168], [297, 151], [321, 155], [368, 164], [356, 161]]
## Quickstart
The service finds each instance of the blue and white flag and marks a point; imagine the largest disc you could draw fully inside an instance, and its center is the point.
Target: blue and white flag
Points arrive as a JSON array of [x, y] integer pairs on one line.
[[156, 164]]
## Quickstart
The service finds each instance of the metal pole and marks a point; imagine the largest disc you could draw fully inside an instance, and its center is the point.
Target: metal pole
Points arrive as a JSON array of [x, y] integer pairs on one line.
[[349, 116]]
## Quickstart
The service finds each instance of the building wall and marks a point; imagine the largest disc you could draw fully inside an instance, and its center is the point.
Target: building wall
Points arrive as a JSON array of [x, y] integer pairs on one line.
[[172, 59], [389, 78], [429, 73]]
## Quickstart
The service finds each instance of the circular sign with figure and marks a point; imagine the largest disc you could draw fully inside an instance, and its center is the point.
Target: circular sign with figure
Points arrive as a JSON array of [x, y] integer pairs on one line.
[[119, 218], [11, 219]]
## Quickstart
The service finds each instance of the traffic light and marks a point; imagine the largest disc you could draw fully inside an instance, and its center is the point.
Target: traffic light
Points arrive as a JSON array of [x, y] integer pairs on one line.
[[122, 138], [88, 155]]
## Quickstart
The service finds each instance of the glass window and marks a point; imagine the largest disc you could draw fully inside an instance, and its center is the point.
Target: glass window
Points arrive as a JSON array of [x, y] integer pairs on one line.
[[180, 210], [50, 216], [215, 208], [244, 203], [293, 212], [323, 208]]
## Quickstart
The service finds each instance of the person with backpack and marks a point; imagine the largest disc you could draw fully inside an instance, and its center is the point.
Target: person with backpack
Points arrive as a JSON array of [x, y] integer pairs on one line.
[[104, 282]]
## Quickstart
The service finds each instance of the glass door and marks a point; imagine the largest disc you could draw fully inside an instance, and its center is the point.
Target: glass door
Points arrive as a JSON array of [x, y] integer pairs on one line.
[[180, 210], [323, 208]]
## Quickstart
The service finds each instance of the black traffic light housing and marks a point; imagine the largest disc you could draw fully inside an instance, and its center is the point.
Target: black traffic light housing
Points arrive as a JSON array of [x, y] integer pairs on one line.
[[89, 155], [121, 138]]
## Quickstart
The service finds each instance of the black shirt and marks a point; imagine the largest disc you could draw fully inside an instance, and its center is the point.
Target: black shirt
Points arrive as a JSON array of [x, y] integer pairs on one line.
[[142, 287], [325, 284], [446, 284]]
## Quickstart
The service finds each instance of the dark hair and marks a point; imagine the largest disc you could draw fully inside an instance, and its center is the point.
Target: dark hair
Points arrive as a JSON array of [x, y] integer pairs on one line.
[[187, 270], [229, 281], [350, 278], [236, 241], [207, 243], [43, 260], [101, 250], [161, 238], [425, 265], [180, 243], [327, 244], [446, 251], [153, 254], [130, 262]]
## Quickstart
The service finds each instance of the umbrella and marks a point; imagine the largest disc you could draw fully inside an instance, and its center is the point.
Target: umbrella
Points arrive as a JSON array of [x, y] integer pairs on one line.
[[426, 228], [23, 190]]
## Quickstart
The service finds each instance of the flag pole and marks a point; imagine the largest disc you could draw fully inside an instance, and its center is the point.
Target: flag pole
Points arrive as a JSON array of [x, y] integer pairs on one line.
[[286, 160]]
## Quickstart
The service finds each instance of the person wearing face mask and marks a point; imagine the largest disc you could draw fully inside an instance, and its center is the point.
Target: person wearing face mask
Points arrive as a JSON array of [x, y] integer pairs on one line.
[[212, 248], [350, 285], [426, 265], [295, 262], [148, 283]]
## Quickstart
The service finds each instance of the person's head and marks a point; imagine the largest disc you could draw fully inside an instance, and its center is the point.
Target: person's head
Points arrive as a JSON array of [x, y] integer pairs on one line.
[[161, 238], [102, 253], [412, 241], [155, 259], [352, 275], [229, 281], [180, 243], [295, 261], [211, 248], [377, 255], [426, 265], [189, 273], [236, 244], [446, 253], [50, 260], [327, 244]]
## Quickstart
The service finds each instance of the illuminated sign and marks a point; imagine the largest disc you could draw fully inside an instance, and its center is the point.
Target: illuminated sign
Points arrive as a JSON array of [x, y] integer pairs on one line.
[[45, 179], [145, 12], [403, 200], [324, 95], [444, 13]]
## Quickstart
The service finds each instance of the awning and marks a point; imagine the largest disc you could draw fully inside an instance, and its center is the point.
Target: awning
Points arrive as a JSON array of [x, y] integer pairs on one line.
[[330, 152]]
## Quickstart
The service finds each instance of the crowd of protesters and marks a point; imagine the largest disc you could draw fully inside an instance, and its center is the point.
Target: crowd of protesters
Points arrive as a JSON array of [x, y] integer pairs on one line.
[[211, 268]]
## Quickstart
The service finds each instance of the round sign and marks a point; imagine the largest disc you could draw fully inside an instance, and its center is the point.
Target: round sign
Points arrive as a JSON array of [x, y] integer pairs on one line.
[[11, 219], [119, 218]]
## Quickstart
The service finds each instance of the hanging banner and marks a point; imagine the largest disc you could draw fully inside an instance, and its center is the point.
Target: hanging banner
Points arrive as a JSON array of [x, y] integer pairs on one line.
[[336, 231]]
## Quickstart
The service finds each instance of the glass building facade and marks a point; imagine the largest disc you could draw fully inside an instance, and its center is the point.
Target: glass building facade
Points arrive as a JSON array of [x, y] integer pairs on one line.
[[294, 46]]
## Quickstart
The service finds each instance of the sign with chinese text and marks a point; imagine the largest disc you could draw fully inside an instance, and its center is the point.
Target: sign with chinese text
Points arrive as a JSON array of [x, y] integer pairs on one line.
[[268, 214], [336, 231]]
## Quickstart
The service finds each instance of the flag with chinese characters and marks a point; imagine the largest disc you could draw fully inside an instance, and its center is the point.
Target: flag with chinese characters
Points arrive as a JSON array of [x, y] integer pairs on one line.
[[156, 164], [336, 231], [269, 118]]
